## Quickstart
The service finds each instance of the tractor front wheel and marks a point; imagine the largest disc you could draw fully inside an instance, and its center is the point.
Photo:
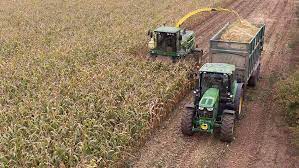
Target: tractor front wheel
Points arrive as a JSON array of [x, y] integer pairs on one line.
[[187, 123], [227, 127]]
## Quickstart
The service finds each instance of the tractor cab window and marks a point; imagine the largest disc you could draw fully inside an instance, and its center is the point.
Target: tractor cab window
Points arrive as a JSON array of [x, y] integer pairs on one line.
[[214, 80], [166, 41]]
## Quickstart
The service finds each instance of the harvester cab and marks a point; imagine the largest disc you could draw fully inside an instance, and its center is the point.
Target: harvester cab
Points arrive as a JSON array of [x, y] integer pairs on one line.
[[167, 39], [172, 42]]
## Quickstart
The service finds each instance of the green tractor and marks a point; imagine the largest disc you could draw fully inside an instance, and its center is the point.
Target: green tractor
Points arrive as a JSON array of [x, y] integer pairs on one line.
[[174, 43], [219, 92], [217, 103]]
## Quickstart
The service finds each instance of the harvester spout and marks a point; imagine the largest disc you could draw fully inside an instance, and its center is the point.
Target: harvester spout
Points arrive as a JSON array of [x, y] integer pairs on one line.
[[183, 19]]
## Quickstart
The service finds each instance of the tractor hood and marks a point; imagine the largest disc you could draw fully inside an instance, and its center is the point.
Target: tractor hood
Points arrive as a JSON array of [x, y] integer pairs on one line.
[[209, 98]]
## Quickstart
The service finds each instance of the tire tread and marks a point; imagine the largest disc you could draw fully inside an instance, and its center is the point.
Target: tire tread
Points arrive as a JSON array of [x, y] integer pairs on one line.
[[186, 123], [227, 127]]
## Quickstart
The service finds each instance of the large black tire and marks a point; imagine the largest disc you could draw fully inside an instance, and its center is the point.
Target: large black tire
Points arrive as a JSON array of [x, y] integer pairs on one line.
[[252, 81], [255, 77], [227, 128], [239, 99], [186, 123], [258, 72]]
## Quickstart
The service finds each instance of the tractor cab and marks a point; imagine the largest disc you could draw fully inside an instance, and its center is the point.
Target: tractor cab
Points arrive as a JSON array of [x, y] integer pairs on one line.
[[215, 88], [214, 98], [171, 41], [218, 76]]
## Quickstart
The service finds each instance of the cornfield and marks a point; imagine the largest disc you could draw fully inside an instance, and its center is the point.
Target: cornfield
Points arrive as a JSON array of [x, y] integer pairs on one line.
[[73, 91]]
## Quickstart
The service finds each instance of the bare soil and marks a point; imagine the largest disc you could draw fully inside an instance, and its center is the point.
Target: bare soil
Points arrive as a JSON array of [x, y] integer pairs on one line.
[[261, 136]]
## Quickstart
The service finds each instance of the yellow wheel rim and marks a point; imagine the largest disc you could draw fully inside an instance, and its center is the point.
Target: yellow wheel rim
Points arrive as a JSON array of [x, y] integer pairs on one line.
[[240, 104], [204, 126]]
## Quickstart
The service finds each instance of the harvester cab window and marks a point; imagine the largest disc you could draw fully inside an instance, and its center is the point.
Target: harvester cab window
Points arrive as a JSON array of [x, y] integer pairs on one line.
[[166, 41]]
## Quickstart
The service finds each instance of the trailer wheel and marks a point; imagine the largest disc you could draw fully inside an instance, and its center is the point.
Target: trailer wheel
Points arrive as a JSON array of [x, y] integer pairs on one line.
[[258, 72], [227, 127], [187, 122], [252, 80], [255, 77]]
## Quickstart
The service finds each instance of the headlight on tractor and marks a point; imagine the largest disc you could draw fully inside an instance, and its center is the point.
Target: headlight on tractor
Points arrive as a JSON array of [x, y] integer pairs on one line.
[[201, 108], [210, 109]]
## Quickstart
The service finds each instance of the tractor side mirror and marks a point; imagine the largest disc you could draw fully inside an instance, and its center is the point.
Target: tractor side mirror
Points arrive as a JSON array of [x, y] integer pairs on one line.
[[150, 33], [180, 37]]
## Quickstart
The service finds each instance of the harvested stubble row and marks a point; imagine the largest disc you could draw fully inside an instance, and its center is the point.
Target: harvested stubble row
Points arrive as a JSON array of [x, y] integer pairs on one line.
[[239, 31]]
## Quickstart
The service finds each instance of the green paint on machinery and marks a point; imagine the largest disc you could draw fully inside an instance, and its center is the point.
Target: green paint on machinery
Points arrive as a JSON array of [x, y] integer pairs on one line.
[[215, 97], [219, 91], [208, 102], [173, 42]]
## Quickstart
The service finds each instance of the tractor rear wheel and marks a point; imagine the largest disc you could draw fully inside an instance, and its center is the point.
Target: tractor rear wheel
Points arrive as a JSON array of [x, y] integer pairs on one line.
[[187, 123], [227, 127]]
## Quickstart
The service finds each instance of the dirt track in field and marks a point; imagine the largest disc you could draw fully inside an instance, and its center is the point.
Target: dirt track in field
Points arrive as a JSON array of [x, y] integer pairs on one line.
[[261, 140]]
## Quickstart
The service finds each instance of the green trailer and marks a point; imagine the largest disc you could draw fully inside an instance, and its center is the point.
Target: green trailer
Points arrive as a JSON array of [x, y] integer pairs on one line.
[[219, 92], [245, 56]]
